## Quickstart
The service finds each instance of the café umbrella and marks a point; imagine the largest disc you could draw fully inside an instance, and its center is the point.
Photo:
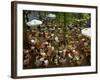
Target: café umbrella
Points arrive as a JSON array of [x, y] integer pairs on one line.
[[86, 31], [34, 22], [52, 16]]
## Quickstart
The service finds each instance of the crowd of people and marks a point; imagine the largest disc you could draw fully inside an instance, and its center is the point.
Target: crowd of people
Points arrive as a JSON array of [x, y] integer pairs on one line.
[[48, 45]]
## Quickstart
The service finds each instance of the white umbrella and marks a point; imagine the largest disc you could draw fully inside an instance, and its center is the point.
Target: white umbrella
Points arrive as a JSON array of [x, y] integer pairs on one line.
[[51, 15], [34, 22], [86, 31]]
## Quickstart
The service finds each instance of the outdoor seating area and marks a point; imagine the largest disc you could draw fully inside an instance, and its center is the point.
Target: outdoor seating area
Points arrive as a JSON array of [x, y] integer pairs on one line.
[[56, 39]]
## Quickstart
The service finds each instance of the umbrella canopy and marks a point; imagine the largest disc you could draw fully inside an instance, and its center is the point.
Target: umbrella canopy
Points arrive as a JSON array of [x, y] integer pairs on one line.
[[86, 31], [51, 15], [34, 22]]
